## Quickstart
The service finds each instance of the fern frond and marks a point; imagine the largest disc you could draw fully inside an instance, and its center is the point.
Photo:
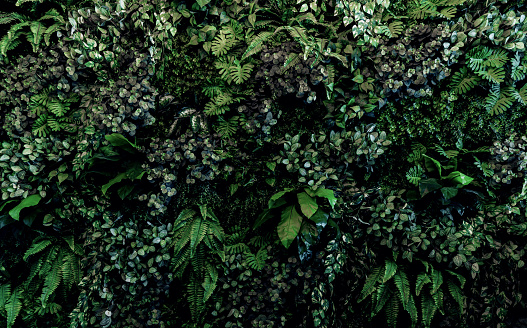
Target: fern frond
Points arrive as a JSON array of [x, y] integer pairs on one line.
[[412, 310], [448, 13], [36, 248], [13, 306], [461, 279], [447, 153], [256, 44], [292, 60], [209, 284], [35, 37], [437, 281], [369, 285], [51, 281], [457, 294], [422, 279], [403, 286], [195, 298], [6, 18], [392, 311], [5, 294], [383, 294], [389, 270], [50, 30], [428, 309], [10, 41]]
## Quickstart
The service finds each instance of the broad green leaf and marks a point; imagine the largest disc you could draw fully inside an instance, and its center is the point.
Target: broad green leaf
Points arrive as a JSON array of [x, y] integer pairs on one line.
[[308, 205], [289, 226], [449, 192], [119, 140], [328, 194], [320, 217], [460, 178], [31, 200], [124, 191], [428, 185]]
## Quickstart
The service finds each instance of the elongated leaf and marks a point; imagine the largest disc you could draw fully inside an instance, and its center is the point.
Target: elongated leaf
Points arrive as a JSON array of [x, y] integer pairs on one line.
[[460, 178], [277, 196], [5, 294], [308, 205], [36, 248], [13, 306], [262, 218], [289, 226], [119, 140], [427, 186], [29, 201], [389, 270]]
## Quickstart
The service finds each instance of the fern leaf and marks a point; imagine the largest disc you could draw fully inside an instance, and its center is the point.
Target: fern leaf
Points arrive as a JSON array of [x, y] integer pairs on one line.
[[36, 248], [422, 279], [195, 298], [412, 310], [51, 281], [461, 279], [369, 285], [437, 281], [457, 294], [183, 217], [35, 37], [10, 41], [49, 31], [389, 270], [6, 18], [392, 311], [383, 294], [292, 60], [428, 309], [209, 284], [447, 153], [403, 285], [13, 306], [5, 294], [256, 44], [199, 228]]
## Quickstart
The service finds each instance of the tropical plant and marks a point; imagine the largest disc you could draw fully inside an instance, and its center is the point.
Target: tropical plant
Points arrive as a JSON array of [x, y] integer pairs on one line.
[[196, 237], [392, 286], [37, 30], [293, 209], [53, 114]]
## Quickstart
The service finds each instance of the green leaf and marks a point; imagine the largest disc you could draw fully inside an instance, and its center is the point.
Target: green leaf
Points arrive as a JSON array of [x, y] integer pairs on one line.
[[262, 218], [115, 180], [320, 217], [31, 200], [119, 140], [202, 3], [328, 194], [389, 270], [124, 191], [289, 226], [449, 192], [431, 164], [428, 185], [277, 196], [308, 205], [13, 306], [460, 178]]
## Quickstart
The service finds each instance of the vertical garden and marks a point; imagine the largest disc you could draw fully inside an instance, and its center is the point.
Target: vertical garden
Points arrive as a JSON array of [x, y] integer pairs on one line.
[[267, 163]]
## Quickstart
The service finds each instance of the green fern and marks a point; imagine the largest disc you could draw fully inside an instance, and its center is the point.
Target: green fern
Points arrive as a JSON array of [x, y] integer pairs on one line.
[[13, 306], [256, 44], [497, 102], [392, 311], [403, 286]]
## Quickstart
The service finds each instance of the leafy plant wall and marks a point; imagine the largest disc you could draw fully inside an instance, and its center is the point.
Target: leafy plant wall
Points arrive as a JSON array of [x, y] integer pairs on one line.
[[232, 163]]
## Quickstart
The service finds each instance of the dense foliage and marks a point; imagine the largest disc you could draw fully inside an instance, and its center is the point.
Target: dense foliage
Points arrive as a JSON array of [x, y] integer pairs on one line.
[[269, 163]]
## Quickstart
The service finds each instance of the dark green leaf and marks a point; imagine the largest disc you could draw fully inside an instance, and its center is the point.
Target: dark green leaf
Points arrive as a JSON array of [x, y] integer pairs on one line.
[[31, 200]]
